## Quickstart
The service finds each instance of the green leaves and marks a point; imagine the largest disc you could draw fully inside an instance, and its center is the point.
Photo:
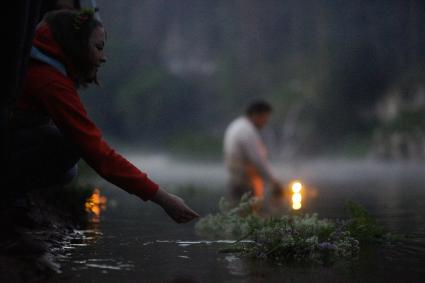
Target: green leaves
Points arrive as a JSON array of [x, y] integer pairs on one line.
[[363, 227], [302, 238]]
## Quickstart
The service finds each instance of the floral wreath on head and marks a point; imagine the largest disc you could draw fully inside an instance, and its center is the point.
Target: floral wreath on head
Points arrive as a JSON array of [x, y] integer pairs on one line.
[[83, 16]]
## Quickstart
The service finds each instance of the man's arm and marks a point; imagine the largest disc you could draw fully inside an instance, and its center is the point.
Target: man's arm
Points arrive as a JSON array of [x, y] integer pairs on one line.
[[256, 152]]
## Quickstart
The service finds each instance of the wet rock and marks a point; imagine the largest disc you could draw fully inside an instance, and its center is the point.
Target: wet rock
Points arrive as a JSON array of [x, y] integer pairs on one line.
[[37, 225]]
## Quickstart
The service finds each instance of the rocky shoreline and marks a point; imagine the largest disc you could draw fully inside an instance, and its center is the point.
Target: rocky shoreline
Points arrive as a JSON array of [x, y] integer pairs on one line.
[[38, 225]]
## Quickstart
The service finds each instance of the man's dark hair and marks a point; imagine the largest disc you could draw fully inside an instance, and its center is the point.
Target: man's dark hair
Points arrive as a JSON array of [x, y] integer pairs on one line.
[[74, 41], [258, 107]]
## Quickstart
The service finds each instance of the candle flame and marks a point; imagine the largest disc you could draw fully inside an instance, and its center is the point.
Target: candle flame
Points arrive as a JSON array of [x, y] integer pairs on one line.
[[296, 187], [296, 195], [95, 204]]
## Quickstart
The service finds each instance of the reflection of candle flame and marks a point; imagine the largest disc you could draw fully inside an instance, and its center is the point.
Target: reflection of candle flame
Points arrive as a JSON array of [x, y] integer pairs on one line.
[[296, 195], [95, 204], [296, 205]]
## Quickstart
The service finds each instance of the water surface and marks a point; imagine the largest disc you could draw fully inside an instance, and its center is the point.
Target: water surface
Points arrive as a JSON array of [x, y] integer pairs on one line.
[[134, 241]]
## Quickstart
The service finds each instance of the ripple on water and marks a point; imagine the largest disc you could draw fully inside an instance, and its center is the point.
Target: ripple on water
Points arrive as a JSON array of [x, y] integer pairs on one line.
[[183, 256], [201, 242], [105, 264]]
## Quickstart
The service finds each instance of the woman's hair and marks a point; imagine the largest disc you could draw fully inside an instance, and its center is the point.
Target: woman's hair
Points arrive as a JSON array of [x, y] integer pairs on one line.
[[72, 31]]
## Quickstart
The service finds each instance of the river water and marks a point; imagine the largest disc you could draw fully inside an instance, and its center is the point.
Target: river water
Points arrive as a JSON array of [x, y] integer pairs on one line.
[[134, 241]]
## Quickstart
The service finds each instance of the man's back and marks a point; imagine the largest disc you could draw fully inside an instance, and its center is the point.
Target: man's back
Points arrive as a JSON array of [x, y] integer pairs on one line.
[[237, 141], [244, 151]]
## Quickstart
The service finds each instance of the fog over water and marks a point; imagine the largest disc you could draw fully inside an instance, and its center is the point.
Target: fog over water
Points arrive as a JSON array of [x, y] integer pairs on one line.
[[179, 171]]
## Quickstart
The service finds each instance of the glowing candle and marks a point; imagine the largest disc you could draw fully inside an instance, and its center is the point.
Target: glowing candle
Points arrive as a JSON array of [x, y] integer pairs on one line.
[[296, 187], [95, 204]]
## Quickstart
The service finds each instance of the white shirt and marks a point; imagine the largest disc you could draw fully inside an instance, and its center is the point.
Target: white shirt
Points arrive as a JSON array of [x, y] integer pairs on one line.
[[243, 147]]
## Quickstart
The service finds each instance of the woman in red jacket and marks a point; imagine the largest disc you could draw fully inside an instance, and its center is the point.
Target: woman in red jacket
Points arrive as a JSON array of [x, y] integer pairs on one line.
[[50, 127]]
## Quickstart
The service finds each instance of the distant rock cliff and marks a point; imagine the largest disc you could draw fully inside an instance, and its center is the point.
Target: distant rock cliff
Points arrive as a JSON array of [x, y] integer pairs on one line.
[[401, 130]]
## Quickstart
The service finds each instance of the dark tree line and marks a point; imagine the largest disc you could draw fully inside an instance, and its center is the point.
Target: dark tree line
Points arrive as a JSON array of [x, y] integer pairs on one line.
[[181, 68]]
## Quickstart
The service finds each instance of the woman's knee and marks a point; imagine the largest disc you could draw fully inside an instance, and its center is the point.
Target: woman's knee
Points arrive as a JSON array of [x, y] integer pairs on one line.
[[60, 147], [44, 153], [69, 175]]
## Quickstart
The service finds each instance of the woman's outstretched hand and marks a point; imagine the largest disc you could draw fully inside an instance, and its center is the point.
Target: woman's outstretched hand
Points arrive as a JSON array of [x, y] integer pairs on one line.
[[174, 206]]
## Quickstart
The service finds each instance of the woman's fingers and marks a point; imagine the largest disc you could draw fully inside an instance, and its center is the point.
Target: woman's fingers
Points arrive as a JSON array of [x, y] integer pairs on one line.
[[186, 213], [191, 213], [174, 206]]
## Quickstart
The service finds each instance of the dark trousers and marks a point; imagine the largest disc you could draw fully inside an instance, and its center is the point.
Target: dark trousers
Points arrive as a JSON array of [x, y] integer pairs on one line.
[[39, 157]]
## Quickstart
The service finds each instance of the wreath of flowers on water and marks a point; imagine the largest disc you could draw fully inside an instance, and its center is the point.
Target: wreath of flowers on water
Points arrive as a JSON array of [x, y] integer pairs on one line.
[[293, 237]]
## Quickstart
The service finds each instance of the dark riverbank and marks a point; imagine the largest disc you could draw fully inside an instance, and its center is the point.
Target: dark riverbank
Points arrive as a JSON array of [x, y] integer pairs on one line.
[[37, 226]]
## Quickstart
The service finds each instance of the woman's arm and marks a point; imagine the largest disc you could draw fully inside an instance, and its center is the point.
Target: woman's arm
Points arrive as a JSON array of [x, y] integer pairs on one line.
[[174, 206], [64, 106]]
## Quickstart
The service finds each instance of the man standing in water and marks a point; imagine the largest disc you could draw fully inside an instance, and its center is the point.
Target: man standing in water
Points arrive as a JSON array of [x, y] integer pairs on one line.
[[245, 153]]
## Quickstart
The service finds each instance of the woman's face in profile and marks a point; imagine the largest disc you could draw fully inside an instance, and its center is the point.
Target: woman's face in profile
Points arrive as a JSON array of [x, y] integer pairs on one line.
[[96, 46]]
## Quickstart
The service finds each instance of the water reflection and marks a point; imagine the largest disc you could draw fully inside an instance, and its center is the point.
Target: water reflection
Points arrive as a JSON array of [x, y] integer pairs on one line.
[[88, 236], [296, 205], [136, 231], [105, 264], [236, 266]]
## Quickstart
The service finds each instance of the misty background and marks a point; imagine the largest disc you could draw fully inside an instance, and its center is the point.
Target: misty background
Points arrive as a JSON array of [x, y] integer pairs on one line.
[[345, 78]]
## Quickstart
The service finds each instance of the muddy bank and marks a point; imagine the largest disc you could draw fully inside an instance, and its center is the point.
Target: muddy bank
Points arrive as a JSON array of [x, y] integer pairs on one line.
[[37, 228]]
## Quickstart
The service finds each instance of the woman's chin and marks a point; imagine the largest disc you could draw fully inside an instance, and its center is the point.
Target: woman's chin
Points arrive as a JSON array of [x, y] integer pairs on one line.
[[92, 78]]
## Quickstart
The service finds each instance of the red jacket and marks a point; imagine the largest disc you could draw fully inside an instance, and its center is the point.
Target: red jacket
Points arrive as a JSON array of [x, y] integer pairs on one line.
[[49, 92]]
